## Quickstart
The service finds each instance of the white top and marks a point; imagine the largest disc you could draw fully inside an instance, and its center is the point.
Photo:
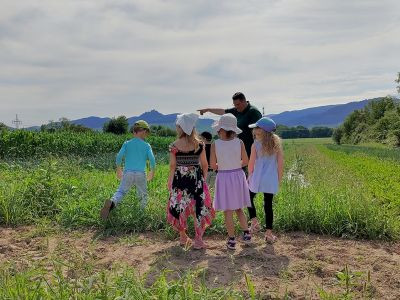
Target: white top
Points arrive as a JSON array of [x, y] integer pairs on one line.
[[229, 154]]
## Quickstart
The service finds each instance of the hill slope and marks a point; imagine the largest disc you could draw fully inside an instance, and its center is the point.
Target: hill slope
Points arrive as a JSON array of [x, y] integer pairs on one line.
[[329, 115]]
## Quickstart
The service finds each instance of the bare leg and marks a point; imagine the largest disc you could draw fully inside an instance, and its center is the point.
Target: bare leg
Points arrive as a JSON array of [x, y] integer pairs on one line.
[[229, 223], [242, 219], [183, 238], [198, 240]]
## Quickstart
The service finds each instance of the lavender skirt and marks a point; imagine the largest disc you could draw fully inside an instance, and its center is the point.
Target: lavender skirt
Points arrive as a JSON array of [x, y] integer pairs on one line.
[[231, 190]]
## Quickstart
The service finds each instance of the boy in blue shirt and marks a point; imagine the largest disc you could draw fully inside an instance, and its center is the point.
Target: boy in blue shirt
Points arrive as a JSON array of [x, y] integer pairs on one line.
[[136, 153]]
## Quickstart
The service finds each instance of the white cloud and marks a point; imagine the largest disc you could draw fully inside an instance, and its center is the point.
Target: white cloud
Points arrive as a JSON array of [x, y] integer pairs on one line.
[[106, 58]]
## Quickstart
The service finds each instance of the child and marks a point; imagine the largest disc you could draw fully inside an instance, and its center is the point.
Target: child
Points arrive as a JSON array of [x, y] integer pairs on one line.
[[136, 153], [265, 171], [206, 137], [228, 155], [189, 193]]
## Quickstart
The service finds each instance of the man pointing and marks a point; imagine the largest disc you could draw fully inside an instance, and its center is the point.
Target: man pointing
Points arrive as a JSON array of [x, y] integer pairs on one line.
[[245, 114]]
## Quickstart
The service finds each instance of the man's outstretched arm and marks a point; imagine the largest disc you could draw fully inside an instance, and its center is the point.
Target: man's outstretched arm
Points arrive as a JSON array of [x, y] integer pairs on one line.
[[217, 111]]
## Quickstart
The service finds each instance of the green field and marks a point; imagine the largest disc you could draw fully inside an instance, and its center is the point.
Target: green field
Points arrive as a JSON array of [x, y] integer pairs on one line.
[[61, 181], [327, 189]]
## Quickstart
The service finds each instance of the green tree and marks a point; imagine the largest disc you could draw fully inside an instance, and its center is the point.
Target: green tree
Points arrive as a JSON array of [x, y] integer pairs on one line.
[[337, 135], [118, 125], [320, 131], [63, 124], [3, 126], [398, 82], [160, 130]]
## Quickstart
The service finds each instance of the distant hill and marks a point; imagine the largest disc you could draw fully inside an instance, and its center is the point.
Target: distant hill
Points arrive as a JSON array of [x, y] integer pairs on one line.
[[153, 117], [329, 115], [91, 122]]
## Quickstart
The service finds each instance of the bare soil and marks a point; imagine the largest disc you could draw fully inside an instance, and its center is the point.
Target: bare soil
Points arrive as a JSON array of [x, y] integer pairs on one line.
[[297, 265]]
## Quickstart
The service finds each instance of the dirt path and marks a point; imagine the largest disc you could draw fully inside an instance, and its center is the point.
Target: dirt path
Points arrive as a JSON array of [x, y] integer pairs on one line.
[[295, 265]]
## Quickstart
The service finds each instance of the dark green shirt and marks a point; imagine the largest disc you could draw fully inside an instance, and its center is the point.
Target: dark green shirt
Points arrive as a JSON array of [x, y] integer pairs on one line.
[[250, 115]]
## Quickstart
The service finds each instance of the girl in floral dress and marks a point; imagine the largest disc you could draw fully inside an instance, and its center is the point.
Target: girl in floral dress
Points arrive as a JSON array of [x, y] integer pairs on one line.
[[189, 193]]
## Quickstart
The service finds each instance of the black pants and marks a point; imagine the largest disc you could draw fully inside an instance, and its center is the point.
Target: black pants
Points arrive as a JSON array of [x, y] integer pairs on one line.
[[269, 215]]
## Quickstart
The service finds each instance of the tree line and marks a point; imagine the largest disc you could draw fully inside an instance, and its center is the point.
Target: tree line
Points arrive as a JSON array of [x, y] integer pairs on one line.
[[378, 121], [120, 125], [297, 132]]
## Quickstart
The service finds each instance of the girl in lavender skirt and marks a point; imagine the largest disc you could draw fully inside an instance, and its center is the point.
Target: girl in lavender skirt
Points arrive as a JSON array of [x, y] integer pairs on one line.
[[228, 156]]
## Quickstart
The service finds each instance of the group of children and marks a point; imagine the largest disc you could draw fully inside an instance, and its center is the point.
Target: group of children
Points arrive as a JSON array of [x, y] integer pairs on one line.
[[194, 164]]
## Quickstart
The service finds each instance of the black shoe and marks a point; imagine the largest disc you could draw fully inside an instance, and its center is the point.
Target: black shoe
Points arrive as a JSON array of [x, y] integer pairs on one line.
[[231, 244], [246, 237]]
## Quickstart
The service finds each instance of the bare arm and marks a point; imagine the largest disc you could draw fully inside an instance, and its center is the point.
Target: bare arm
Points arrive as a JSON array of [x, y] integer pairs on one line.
[[204, 163], [252, 161], [245, 158], [279, 159], [172, 167], [217, 111], [213, 158]]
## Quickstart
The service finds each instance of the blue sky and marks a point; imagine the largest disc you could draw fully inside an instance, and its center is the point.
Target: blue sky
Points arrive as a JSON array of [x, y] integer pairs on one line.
[[107, 58]]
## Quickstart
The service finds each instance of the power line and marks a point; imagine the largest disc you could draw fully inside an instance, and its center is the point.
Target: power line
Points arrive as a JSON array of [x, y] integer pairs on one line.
[[17, 122]]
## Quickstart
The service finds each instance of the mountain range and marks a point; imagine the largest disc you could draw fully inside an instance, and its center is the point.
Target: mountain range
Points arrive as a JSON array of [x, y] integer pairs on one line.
[[153, 117], [328, 115]]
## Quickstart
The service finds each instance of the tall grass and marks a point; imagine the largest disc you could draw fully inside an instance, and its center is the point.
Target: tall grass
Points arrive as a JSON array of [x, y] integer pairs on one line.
[[378, 151], [331, 200], [320, 196]]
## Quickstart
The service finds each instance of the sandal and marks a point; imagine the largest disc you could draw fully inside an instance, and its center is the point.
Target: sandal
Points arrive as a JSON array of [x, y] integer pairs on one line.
[[199, 244], [255, 227], [185, 241], [270, 238]]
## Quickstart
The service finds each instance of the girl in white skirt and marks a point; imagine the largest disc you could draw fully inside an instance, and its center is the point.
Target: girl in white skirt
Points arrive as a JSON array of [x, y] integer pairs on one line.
[[228, 156]]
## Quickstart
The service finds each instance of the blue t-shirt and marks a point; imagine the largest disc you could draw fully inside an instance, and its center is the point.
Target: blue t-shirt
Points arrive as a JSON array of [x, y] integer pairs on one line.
[[136, 153]]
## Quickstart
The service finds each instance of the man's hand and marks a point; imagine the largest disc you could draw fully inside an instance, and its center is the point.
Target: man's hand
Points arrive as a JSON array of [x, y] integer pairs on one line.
[[150, 176], [202, 111], [119, 173]]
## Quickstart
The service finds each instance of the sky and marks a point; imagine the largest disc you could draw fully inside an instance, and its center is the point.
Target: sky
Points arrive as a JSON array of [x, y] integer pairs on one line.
[[80, 58]]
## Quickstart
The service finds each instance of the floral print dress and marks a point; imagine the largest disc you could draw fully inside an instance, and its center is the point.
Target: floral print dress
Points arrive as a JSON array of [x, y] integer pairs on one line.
[[190, 194]]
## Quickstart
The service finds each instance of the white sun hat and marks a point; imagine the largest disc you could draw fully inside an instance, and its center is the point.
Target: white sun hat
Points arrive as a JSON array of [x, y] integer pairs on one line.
[[187, 122], [227, 122]]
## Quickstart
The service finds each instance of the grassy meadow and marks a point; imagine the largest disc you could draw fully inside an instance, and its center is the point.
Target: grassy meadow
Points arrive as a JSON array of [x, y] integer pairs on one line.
[[61, 181], [327, 189]]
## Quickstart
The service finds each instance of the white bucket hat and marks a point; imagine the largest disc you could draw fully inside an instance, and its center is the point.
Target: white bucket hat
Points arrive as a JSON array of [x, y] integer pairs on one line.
[[227, 122], [187, 122]]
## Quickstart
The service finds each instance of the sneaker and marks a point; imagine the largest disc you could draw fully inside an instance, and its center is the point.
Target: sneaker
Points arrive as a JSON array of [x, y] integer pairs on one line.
[[246, 237], [231, 244], [105, 211]]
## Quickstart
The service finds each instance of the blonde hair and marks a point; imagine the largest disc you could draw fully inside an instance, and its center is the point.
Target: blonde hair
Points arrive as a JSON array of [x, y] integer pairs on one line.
[[193, 138], [270, 142], [229, 134]]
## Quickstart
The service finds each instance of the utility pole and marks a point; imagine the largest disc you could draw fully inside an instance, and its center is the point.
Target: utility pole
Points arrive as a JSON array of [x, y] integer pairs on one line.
[[17, 122], [263, 111]]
